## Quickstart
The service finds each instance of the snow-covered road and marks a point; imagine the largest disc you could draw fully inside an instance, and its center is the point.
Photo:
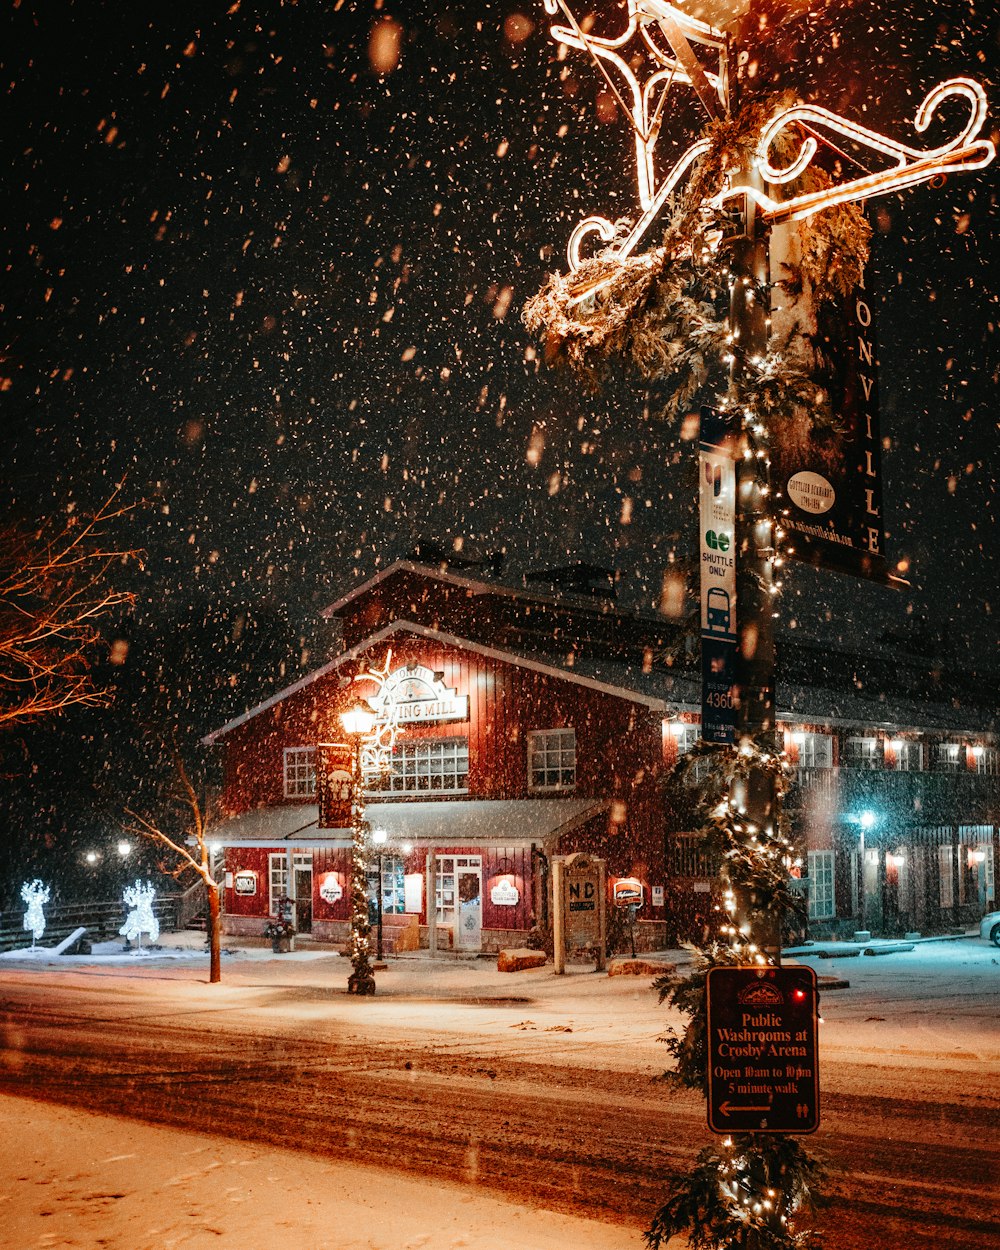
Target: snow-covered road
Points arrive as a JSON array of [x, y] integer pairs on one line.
[[530, 1088]]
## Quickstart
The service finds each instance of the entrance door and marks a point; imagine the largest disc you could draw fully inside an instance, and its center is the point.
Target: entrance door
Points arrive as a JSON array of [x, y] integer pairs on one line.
[[872, 884], [469, 918], [303, 898]]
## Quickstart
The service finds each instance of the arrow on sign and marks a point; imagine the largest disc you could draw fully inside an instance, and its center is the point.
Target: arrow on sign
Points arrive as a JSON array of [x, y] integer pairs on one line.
[[727, 1108]]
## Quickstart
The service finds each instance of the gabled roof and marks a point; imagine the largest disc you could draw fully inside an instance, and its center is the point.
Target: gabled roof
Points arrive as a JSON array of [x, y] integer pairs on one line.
[[597, 606], [537, 665]]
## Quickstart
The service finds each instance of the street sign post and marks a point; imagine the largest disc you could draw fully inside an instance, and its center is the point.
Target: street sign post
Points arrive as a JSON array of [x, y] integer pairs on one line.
[[763, 1074]]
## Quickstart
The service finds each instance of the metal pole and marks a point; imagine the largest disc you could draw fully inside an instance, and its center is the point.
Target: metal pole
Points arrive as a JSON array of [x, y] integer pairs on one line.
[[378, 905]]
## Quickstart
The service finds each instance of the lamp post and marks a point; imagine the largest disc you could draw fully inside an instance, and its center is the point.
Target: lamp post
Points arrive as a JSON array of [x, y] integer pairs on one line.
[[379, 837], [358, 722]]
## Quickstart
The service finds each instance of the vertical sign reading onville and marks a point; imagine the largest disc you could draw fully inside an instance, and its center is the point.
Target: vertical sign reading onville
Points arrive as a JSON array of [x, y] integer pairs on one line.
[[829, 481], [717, 560], [763, 1074], [333, 785]]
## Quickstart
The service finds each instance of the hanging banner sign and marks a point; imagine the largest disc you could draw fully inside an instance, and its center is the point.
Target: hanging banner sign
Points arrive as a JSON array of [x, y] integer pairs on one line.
[[333, 785], [829, 481], [717, 560]]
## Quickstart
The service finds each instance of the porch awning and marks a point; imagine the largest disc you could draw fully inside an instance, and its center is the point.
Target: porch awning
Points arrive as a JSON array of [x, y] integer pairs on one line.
[[444, 821], [481, 820]]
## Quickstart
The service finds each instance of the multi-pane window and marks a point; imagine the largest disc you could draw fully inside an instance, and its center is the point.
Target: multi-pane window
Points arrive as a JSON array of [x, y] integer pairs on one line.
[[425, 766], [393, 902], [689, 857], [862, 753], [815, 750], [822, 900], [552, 759], [300, 772], [908, 754], [949, 758], [448, 869], [685, 735], [277, 878], [987, 760]]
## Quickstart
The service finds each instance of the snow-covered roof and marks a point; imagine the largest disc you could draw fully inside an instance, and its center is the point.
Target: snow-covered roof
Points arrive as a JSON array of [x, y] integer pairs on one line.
[[537, 663], [514, 822]]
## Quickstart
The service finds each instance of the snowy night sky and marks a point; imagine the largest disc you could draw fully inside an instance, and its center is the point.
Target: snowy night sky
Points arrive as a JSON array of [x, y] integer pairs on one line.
[[281, 291]]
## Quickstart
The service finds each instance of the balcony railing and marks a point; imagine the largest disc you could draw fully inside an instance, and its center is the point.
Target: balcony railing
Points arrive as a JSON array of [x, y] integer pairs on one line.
[[914, 798]]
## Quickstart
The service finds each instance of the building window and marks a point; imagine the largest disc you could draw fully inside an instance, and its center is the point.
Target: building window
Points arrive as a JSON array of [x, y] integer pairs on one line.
[[552, 759], [815, 750], [949, 758], [862, 753], [689, 857], [822, 900], [393, 901], [448, 868], [908, 754], [300, 772], [987, 761], [685, 735], [425, 766], [277, 878]]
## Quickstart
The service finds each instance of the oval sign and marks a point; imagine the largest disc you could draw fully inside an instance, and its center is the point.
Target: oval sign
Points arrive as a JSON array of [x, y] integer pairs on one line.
[[811, 492]]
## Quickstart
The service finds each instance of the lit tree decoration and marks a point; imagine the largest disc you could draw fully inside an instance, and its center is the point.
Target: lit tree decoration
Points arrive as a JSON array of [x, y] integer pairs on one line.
[[140, 919], [693, 315], [374, 734], [35, 894]]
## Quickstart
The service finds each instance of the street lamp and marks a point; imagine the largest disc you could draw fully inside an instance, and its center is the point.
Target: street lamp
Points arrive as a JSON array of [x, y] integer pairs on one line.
[[359, 722], [124, 849], [379, 837]]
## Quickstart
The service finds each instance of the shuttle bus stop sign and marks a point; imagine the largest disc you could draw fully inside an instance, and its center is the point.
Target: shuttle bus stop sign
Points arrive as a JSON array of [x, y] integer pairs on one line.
[[762, 1053]]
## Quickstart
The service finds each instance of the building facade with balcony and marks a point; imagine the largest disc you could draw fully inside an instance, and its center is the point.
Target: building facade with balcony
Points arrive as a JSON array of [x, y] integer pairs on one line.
[[539, 719]]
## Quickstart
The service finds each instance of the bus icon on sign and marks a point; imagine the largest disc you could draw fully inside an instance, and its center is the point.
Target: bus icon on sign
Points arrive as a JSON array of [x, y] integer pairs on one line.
[[718, 615]]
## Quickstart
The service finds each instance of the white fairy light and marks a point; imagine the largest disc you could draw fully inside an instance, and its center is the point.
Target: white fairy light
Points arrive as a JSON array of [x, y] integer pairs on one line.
[[140, 919], [35, 894]]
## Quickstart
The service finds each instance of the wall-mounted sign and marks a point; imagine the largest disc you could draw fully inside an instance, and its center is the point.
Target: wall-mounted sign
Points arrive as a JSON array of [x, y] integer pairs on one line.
[[245, 882], [505, 894], [657, 892], [414, 694], [330, 889], [628, 892]]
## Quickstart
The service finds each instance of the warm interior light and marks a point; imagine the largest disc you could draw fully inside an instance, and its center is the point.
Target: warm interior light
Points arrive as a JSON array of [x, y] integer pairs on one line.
[[380, 837], [678, 728], [358, 720], [977, 751]]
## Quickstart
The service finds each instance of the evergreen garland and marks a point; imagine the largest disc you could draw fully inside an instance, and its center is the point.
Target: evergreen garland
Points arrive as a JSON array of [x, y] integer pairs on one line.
[[362, 978], [665, 312]]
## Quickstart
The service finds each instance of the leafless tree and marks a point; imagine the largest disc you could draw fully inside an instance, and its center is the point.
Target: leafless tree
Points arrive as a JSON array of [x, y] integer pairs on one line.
[[56, 586], [187, 839]]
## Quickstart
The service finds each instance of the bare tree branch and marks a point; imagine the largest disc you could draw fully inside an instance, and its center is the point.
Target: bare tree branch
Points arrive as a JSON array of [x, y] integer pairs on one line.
[[56, 586]]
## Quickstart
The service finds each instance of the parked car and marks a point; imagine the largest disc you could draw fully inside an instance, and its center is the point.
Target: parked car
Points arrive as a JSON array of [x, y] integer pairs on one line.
[[989, 927]]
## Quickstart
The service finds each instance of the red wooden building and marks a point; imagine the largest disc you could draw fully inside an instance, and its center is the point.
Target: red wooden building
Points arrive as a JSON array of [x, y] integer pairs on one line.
[[541, 719]]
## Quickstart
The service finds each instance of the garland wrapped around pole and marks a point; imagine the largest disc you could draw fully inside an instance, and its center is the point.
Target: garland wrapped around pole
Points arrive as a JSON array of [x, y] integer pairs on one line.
[[693, 317]]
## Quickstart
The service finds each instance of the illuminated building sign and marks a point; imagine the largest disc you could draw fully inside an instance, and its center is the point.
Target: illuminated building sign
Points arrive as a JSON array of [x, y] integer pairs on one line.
[[414, 694]]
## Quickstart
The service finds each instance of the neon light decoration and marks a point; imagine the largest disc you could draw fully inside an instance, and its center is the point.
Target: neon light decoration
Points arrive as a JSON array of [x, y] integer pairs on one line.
[[35, 894], [644, 105], [140, 919]]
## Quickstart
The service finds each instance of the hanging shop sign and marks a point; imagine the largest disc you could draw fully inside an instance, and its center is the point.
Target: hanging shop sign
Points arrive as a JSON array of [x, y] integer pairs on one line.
[[245, 882], [762, 1054], [628, 892], [334, 763], [414, 695], [330, 888], [717, 560], [505, 894]]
